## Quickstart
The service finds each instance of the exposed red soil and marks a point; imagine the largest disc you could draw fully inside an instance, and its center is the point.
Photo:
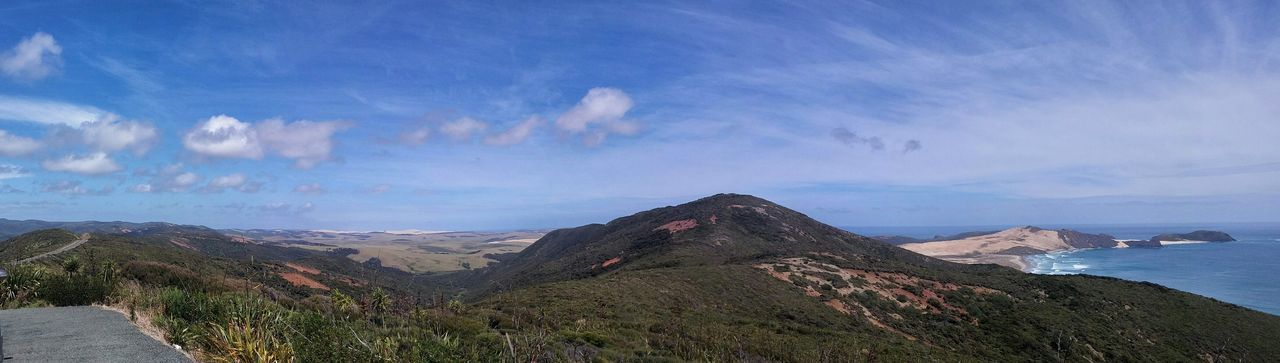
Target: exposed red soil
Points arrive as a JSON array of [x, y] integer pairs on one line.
[[298, 279], [714, 218], [611, 261], [182, 242], [679, 226], [839, 306], [301, 268]]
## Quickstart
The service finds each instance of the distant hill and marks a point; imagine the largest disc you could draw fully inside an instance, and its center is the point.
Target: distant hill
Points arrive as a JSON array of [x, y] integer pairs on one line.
[[898, 240], [736, 277], [1201, 235], [34, 243]]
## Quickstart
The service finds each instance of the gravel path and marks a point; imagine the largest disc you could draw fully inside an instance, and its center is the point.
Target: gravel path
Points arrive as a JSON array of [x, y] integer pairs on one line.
[[78, 334]]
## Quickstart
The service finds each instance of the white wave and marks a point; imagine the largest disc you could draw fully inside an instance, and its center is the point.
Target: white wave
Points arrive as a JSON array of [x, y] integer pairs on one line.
[[1168, 243]]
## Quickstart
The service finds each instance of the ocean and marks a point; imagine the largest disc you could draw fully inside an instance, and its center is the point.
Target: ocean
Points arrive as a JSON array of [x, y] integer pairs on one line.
[[1245, 272]]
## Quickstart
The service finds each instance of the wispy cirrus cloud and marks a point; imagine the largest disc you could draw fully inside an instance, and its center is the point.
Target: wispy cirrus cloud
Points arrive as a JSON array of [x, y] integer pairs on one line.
[[12, 172], [48, 112]]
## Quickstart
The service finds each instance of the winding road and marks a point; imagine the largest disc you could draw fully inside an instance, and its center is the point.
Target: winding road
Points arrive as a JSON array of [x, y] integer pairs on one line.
[[70, 246]]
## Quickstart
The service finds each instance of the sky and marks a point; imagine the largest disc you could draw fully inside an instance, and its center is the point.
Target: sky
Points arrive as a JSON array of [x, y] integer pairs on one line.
[[468, 115]]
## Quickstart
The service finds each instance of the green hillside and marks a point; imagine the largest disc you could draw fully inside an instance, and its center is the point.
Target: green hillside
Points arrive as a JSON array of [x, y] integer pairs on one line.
[[723, 278], [34, 243], [766, 282]]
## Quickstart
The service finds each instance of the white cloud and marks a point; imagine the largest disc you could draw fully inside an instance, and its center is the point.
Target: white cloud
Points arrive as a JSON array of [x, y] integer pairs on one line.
[[48, 112], [141, 188], [12, 171], [232, 181], [604, 106], [172, 178], [379, 189], [97, 163], [306, 142], [33, 58], [313, 188], [463, 128], [224, 136], [516, 134], [73, 187], [228, 181], [14, 145], [415, 137], [185, 180], [111, 134]]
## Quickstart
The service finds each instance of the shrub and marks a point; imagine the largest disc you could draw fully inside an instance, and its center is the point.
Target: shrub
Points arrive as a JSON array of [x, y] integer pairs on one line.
[[253, 332]]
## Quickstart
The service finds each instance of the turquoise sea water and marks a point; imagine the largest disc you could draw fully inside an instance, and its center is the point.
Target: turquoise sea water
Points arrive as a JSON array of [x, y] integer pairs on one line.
[[1245, 272]]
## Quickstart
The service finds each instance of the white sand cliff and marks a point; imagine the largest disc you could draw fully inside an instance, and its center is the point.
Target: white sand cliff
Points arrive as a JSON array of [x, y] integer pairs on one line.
[[1004, 248]]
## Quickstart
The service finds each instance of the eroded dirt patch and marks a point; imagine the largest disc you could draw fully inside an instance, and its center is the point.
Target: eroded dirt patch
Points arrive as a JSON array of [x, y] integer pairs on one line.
[[611, 261], [679, 226], [298, 279], [302, 268]]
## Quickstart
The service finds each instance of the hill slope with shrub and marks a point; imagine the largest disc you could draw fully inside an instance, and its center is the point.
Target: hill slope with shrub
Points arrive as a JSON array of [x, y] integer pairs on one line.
[[736, 277], [724, 278]]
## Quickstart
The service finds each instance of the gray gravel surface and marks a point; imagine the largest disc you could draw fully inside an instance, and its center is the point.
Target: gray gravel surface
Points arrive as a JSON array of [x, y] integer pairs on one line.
[[78, 334]]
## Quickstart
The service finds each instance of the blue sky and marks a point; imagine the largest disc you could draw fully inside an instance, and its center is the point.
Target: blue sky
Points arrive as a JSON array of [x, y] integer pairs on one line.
[[462, 115]]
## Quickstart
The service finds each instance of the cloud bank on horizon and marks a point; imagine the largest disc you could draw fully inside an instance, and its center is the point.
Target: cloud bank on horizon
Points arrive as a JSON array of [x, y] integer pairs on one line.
[[470, 116]]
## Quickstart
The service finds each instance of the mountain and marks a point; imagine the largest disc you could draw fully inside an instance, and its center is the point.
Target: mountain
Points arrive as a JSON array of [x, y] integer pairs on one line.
[[718, 230], [898, 240], [1201, 235], [735, 277]]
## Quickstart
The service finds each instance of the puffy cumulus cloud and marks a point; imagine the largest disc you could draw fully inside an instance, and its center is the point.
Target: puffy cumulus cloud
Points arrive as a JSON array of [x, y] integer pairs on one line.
[[313, 188], [142, 188], [228, 181], [464, 128], [12, 171], [225, 137], [112, 134], [14, 145], [97, 163], [603, 106], [35, 57], [306, 142], [516, 134], [172, 178], [184, 180]]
